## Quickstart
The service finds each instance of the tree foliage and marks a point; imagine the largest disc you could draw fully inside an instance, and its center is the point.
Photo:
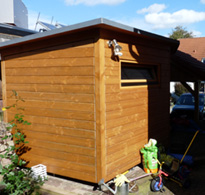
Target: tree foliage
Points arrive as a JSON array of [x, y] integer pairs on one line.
[[180, 89], [180, 32]]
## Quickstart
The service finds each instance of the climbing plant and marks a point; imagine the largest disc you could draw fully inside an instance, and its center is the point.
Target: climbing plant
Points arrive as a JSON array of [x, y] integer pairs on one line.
[[17, 179]]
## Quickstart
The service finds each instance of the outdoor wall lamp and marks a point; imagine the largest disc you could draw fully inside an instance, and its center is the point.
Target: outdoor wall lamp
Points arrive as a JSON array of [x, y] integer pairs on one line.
[[116, 46]]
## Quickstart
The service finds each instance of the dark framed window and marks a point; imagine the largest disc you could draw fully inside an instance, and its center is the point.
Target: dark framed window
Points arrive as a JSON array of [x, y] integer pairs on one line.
[[133, 74]]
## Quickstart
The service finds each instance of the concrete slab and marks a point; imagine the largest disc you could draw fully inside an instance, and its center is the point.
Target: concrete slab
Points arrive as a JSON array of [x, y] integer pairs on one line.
[[59, 186]]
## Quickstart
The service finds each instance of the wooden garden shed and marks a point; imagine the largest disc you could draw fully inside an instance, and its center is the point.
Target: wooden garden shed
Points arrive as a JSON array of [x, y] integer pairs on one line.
[[91, 107]]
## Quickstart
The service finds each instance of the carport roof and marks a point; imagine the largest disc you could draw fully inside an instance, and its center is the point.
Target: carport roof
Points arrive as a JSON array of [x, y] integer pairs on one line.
[[186, 62]]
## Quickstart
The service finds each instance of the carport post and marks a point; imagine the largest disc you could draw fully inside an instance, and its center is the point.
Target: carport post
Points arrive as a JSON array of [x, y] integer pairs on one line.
[[196, 97]]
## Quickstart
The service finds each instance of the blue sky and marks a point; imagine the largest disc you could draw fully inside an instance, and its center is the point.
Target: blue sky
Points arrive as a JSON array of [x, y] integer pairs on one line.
[[156, 16]]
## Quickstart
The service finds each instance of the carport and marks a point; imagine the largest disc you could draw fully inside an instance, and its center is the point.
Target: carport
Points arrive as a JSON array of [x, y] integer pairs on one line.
[[186, 67]]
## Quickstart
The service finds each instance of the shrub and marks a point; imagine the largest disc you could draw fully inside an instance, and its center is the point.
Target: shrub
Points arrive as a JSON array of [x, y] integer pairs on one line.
[[17, 179]]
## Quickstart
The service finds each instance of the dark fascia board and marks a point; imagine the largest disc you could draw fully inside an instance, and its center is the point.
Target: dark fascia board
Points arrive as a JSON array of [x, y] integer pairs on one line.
[[13, 30], [101, 22]]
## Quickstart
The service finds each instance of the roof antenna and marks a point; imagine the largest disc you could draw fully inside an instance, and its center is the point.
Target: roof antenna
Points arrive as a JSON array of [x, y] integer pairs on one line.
[[52, 19], [37, 20]]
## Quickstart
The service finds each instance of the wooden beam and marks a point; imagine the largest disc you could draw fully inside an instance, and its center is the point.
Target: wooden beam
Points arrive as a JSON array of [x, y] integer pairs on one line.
[[188, 87], [196, 97], [100, 110]]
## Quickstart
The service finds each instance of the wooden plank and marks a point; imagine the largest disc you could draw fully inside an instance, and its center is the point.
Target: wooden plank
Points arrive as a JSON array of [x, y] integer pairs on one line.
[[60, 163], [112, 71], [58, 105], [58, 113], [100, 110], [70, 157], [120, 105], [126, 119], [86, 176], [134, 143], [109, 62], [61, 139], [82, 98], [60, 53], [37, 63], [63, 80], [123, 164], [70, 123], [79, 89], [121, 153], [131, 134], [139, 49], [4, 87], [53, 47], [52, 71], [128, 95], [126, 111], [110, 80], [112, 88], [63, 131], [64, 147], [120, 130]]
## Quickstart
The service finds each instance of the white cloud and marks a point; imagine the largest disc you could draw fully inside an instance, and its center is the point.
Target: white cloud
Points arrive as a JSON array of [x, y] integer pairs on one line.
[[167, 20], [203, 1], [155, 8], [196, 33], [93, 2]]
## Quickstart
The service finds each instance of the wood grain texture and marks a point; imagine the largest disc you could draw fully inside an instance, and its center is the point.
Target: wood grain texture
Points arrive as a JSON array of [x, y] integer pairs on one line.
[[58, 85], [100, 110], [132, 114]]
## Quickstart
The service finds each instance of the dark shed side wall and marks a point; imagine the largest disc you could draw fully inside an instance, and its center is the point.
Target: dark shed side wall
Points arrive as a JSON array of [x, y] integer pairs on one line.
[[57, 83], [134, 114]]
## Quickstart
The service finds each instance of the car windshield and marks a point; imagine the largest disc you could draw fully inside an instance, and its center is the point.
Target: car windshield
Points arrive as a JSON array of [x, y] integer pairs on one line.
[[189, 100]]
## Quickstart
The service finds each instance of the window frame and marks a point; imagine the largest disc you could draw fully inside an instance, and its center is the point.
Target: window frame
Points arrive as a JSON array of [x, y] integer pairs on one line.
[[155, 68]]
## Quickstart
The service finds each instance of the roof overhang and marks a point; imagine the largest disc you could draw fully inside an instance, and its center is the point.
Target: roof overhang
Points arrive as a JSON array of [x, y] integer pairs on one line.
[[96, 23], [185, 68]]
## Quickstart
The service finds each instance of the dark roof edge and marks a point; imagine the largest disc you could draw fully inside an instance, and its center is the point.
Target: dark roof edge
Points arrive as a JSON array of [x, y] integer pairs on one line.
[[90, 23], [13, 30]]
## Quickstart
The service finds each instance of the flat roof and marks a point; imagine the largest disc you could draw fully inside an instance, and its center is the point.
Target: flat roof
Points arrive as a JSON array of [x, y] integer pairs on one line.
[[100, 22], [14, 30]]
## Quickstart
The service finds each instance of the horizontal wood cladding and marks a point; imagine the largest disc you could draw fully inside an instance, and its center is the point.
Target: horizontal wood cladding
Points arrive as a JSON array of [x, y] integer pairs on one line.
[[39, 63], [49, 48], [55, 165], [62, 131], [62, 147], [57, 105], [52, 71], [58, 86], [68, 89], [128, 118], [69, 97], [61, 80]]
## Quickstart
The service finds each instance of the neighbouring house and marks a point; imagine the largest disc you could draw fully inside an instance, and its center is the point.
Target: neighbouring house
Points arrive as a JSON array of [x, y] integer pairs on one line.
[[8, 32], [193, 48], [13, 23], [188, 66], [95, 92]]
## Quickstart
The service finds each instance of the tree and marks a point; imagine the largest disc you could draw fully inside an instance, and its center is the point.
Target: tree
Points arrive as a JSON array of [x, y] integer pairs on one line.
[[180, 89], [180, 32]]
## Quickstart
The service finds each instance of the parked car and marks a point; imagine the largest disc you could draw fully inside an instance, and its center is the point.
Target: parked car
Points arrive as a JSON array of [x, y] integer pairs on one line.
[[185, 106]]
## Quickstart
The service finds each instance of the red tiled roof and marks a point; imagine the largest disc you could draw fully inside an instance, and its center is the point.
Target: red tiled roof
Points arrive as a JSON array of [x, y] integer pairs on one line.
[[188, 56], [193, 46]]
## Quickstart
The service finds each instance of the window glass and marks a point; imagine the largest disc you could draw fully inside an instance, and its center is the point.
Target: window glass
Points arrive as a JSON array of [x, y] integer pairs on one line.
[[138, 74]]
